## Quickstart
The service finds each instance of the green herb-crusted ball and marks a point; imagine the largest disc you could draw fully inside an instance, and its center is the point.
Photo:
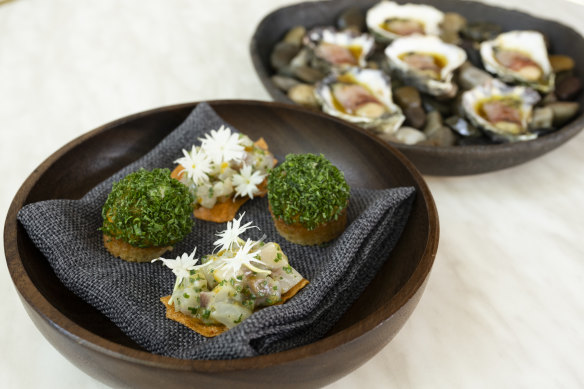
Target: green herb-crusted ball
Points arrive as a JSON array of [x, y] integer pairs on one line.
[[148, 209], [307, 189]]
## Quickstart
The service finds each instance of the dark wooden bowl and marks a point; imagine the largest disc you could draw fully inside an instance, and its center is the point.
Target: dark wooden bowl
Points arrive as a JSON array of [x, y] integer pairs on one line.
[[95, 345], [441, 161]]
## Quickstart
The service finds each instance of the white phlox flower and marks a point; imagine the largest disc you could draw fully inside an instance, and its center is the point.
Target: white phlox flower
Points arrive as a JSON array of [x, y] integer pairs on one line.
[[223, 146], [246, 183], [196, 165], [229, 238], [181, 266], [243, 257]]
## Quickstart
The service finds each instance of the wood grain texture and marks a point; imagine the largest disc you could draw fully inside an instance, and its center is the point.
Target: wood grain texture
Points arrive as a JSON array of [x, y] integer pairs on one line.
[[94, 344], [439, 161]]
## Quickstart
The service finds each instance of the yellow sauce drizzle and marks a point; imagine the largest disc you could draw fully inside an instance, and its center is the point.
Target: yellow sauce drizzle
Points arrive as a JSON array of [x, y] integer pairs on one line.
[[439, 59], [356, 51], [506, 100], [386, 25], [348, 79], [540, 79]]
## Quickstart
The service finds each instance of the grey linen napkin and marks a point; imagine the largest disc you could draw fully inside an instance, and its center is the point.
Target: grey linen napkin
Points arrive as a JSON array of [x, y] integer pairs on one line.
[[66, 232]]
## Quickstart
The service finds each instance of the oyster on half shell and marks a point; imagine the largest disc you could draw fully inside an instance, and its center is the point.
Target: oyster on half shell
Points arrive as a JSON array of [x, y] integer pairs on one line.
[[519, 57], [426, 63], [388, 20], [503, 112], [360, 96], [333, 49]]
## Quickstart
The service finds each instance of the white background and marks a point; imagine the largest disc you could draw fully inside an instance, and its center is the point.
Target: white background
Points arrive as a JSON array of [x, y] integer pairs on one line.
[[504, 305]]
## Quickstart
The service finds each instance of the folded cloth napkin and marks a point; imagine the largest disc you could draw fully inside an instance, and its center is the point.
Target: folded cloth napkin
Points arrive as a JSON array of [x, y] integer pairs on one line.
[[66, 232]]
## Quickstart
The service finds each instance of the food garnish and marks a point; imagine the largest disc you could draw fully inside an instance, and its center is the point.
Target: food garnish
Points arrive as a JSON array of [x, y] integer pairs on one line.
[[308, 189], [229, 284], [223, 172], [145, 214]]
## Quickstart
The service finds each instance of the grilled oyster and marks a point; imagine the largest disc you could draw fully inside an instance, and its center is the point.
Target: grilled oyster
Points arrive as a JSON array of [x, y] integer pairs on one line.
[[519, 57], [360, 96], [388, 20], [333, 49], [426, 63], [503, 112]]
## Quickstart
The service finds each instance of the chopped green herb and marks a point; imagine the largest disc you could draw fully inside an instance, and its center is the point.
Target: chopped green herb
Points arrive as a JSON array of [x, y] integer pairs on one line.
[[148, 209], [238, 320], [186, 295], [287, 269], [278, 257], [307, 189]]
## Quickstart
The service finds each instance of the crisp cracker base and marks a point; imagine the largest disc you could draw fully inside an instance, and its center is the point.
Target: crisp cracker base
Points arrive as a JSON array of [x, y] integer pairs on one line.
[[297, 233], [212, 330], [208, 330], [222, 211], [127, 252]]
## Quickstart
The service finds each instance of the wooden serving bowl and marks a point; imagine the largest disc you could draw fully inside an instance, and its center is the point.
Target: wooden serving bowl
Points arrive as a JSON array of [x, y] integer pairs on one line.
[[99, 348], [440, 161]]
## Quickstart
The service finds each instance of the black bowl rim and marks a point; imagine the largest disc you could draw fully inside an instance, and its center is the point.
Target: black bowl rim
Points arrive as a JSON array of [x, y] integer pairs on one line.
[[556, 138], [32, 297]]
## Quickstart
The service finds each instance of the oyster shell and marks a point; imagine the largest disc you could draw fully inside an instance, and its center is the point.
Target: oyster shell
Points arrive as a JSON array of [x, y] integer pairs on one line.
[[519, 57], [503, 112], [388, 20], [426, 63], [333, 49], [360, 96]]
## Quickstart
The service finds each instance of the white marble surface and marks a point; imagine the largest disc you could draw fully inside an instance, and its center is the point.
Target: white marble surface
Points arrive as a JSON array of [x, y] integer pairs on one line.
[[504, 306]]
